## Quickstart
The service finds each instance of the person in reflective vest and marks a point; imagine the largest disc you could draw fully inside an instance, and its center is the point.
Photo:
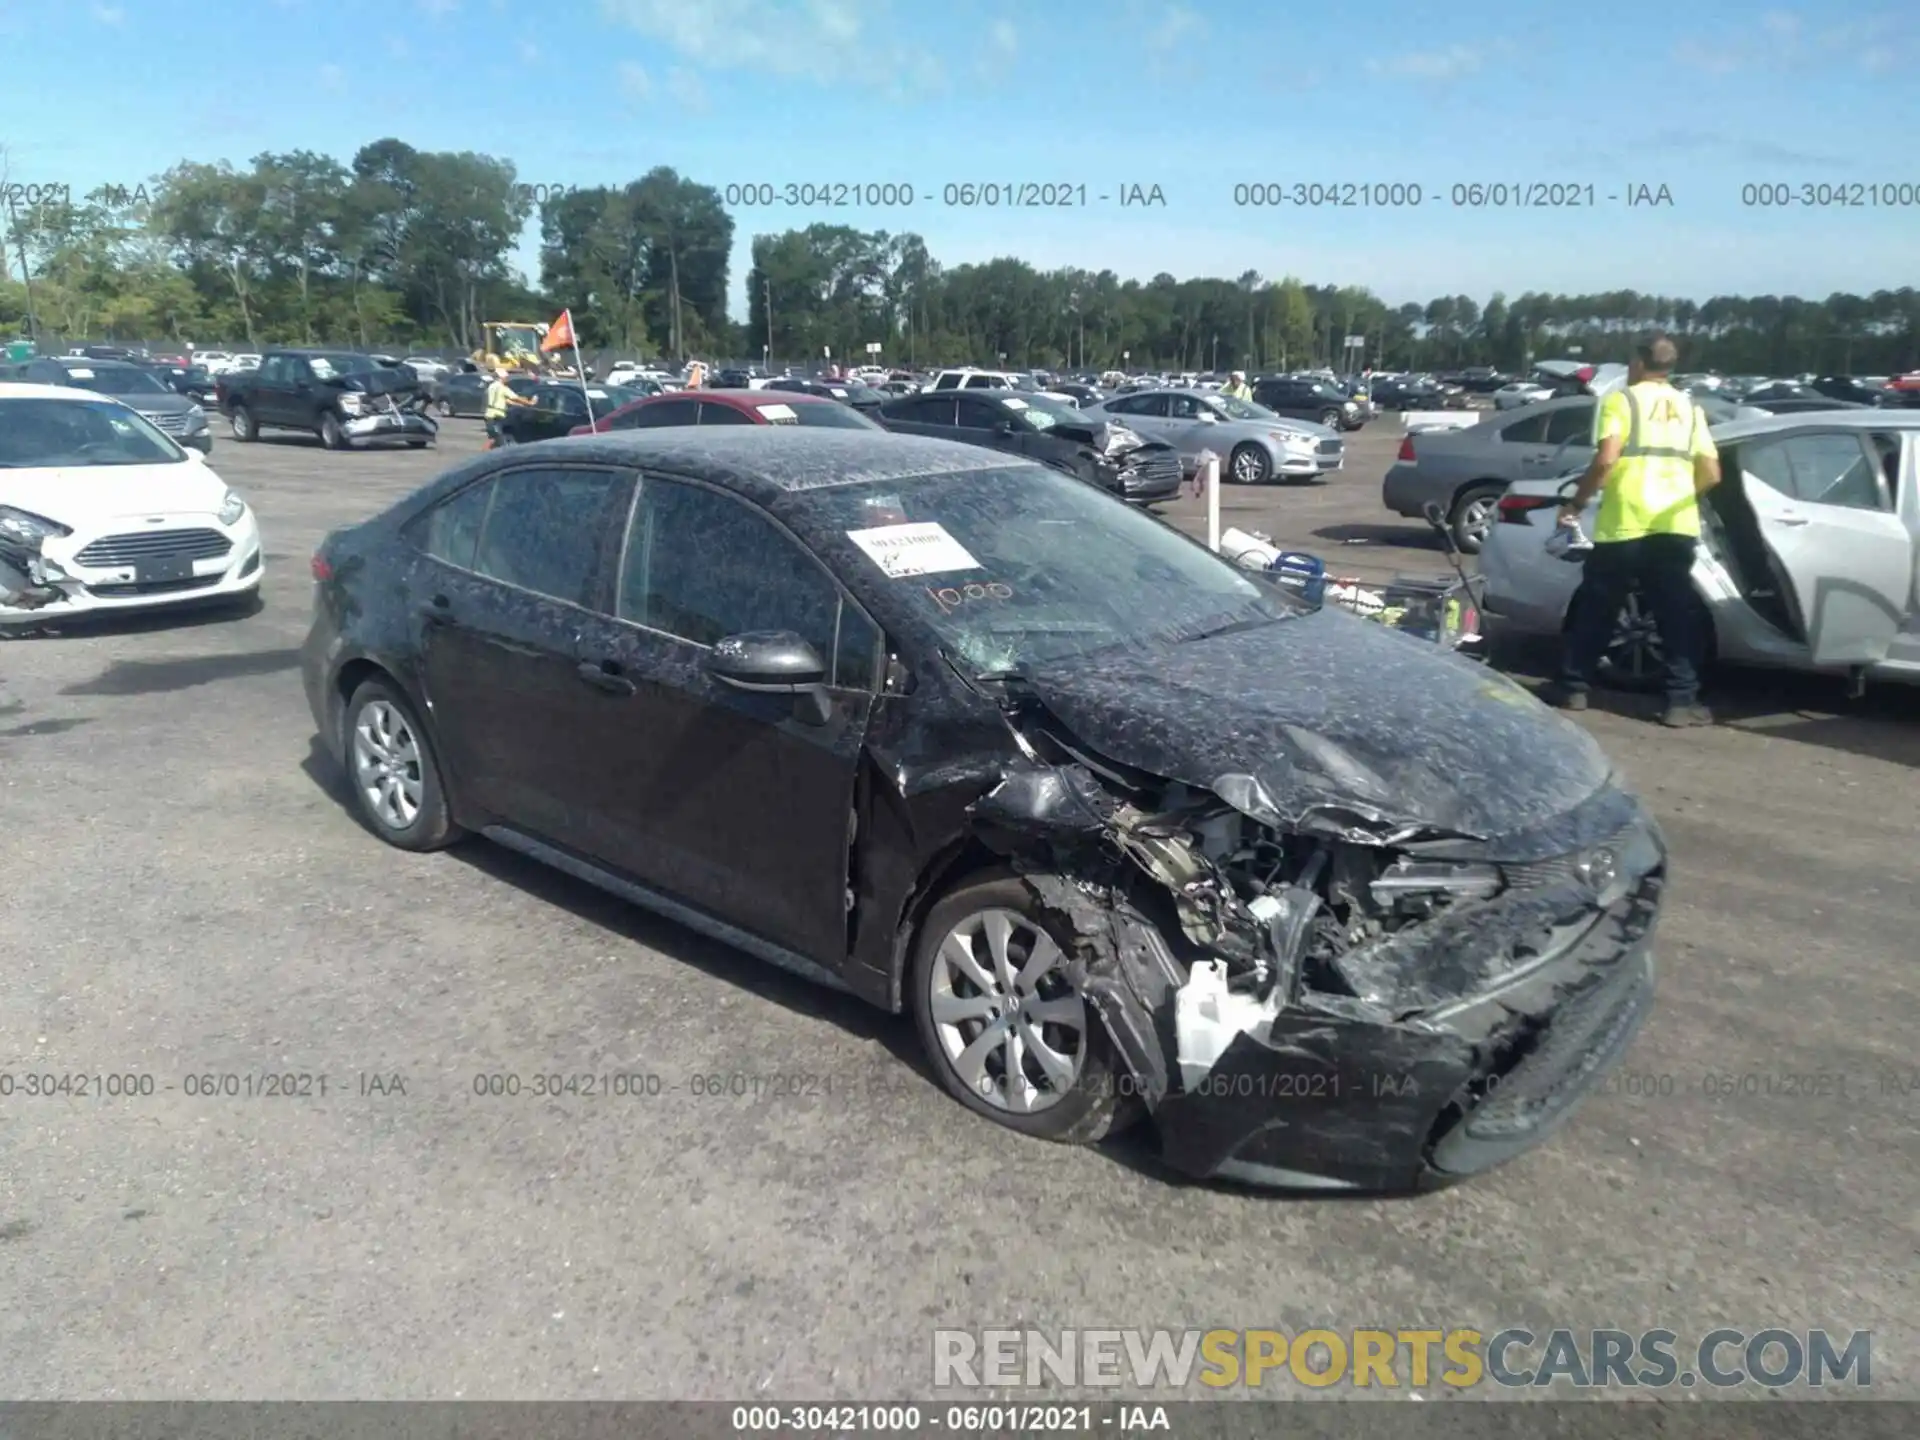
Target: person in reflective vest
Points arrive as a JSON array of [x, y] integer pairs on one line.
[[500, 398], [1654, 460], [1237, 386]]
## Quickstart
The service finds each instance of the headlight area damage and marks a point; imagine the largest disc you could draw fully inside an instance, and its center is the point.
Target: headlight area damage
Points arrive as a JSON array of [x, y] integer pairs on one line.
[[1309, 992]]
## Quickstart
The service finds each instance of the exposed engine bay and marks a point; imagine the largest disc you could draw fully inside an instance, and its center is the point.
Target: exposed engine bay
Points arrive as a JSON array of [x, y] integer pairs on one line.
[[1222, 938]]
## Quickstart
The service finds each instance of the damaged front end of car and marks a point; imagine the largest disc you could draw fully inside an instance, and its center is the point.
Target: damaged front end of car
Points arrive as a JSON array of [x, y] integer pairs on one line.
[[385, 405], [1308, 991]]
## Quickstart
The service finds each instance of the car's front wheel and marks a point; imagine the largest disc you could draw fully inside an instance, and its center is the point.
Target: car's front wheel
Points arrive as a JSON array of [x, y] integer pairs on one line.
[[1250, 464], [391, 767], [241, 423], [1004, 1027], [332, 434]]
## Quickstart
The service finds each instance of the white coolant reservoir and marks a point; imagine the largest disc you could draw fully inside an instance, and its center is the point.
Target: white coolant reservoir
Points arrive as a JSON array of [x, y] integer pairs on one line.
[[1208, 1017]]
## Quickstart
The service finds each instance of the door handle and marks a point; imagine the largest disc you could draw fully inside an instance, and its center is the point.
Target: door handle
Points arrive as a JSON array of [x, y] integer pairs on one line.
[[1790, 517], [596, 674]]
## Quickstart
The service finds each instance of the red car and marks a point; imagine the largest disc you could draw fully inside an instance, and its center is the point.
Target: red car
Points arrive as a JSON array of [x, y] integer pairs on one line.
[[728, 407]]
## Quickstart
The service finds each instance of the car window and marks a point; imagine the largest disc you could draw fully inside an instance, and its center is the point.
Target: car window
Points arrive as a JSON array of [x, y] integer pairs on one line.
[[662, 412], [712, 414], [273, 370], [1572, 425], [543, 531], [452, 529], [933, 410], [947, 382], [1184, 407], [1530, 430], [979, 414], [702, 565], [1823, 468]]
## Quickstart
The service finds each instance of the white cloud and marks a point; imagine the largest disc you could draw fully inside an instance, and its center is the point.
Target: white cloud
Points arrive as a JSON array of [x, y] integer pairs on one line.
[[635, 82], [825, 41], [332, 77], [109, 14], [1446, 64], [1006, 38]]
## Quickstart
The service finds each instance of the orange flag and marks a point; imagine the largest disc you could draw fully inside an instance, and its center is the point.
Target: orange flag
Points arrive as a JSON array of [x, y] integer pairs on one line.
[[559, 335]]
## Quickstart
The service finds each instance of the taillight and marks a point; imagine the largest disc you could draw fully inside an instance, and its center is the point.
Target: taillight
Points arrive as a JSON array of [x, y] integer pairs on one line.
[[1514, 509], [321, 569], [1406, 448], [1584, 373]]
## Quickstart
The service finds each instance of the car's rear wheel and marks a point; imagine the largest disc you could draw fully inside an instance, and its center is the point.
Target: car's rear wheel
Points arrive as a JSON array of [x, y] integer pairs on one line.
[[1003, 1026], [241, 423], [1473, 514], [391, 767], [1330, 419], [332, 435], [1250, 464], [1635, 657]]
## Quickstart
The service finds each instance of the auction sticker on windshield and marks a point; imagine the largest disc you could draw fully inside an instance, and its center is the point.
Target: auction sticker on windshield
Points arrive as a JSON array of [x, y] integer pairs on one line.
[[779, 414], [1013, 404], [77, 374], [924, 548]]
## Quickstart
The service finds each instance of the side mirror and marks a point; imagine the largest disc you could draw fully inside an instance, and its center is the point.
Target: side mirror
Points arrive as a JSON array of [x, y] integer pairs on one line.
[[774, 662]]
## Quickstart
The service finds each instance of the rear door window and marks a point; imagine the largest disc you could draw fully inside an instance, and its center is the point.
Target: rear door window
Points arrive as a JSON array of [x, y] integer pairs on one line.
[[543, 531], [1530, 430], [452, 530]]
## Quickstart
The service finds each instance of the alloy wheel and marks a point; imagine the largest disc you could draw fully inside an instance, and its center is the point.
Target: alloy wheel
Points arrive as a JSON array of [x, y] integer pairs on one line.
[[1474, 521], [386, 765], [1008, 1020], [1249, 465], [1635, 652]]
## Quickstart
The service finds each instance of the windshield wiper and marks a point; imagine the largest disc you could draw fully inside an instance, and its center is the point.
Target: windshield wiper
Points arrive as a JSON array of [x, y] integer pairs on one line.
[[1231, 627]]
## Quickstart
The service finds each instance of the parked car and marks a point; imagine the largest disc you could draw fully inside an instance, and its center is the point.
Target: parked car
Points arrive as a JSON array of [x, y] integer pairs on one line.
[[465, 392], [1254, 444], [193, 381], [122, 515], [428, 368], [863, 398], [559, 407], [1318, 400], [1800, 405], [729, 407], [1806, 559], [1465, 471], [1862, 392], [1521, 392], [836, 699], [347, 399], [970, 379], [1085, 444], [135, 386], [1081, 394]]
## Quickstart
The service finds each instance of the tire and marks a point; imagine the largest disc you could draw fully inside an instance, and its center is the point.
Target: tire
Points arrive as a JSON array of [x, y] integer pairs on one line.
[[1330, 419], [1249, 464], [331, 435], [1079, 1109], [240, 421], [392, 728], [1472, 512], [1633, 660]]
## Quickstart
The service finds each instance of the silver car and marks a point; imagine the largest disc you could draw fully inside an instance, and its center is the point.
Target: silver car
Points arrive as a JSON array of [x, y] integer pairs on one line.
[[1806, 558], [1255, 445]]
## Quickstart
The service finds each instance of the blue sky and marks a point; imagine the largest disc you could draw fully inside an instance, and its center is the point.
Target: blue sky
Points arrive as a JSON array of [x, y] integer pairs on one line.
[[1193, 96]]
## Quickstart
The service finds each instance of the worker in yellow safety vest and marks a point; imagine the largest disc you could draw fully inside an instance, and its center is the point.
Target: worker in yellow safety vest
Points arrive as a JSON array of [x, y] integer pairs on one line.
[[500, 396], [1237, 386], [1654, 460]]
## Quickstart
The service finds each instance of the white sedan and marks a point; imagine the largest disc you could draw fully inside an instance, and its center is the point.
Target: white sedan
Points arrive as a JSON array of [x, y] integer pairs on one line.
[[111, 513], [1806, 559], [1521, 392]]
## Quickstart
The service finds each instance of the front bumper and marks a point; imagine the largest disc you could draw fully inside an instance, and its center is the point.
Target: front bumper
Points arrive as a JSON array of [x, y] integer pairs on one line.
[[1332, 1101], [388, 425], [1144, 477], [127, 570]]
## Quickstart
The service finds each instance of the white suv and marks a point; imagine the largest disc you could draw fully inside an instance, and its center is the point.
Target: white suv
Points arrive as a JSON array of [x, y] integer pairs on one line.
[[975, 380]]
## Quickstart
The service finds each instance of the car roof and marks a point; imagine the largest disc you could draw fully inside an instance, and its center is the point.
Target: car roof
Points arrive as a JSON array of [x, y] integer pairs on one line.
[[766, 462], [1864, 419], [29, 390], [87, 362], [740, 399]]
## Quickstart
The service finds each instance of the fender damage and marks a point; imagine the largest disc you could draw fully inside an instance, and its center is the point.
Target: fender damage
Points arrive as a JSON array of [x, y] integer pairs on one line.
[[1310, 990]]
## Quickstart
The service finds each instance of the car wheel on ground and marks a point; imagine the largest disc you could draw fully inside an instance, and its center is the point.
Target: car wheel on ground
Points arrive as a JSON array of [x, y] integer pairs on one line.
[[391, 766], [1250, 464], [241, 423], [1472, 515], [1004, 1028], [1330, 419], [1635, 658], [332, 435]]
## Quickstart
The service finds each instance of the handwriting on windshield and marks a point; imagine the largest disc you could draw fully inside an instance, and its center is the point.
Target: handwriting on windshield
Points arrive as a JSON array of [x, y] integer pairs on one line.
[[951, 597]]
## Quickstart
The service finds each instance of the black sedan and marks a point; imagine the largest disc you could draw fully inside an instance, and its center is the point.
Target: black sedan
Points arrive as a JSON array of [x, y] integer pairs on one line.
[[863, 398], [1053, 432], [1121, 826], [466, 392]]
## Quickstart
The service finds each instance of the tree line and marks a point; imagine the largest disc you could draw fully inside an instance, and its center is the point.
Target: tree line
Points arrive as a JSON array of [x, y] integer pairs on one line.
[[405, 247]]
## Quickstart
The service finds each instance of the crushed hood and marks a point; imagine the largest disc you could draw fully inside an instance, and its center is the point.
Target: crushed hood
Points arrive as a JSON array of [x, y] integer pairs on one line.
[[1329, 713]]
